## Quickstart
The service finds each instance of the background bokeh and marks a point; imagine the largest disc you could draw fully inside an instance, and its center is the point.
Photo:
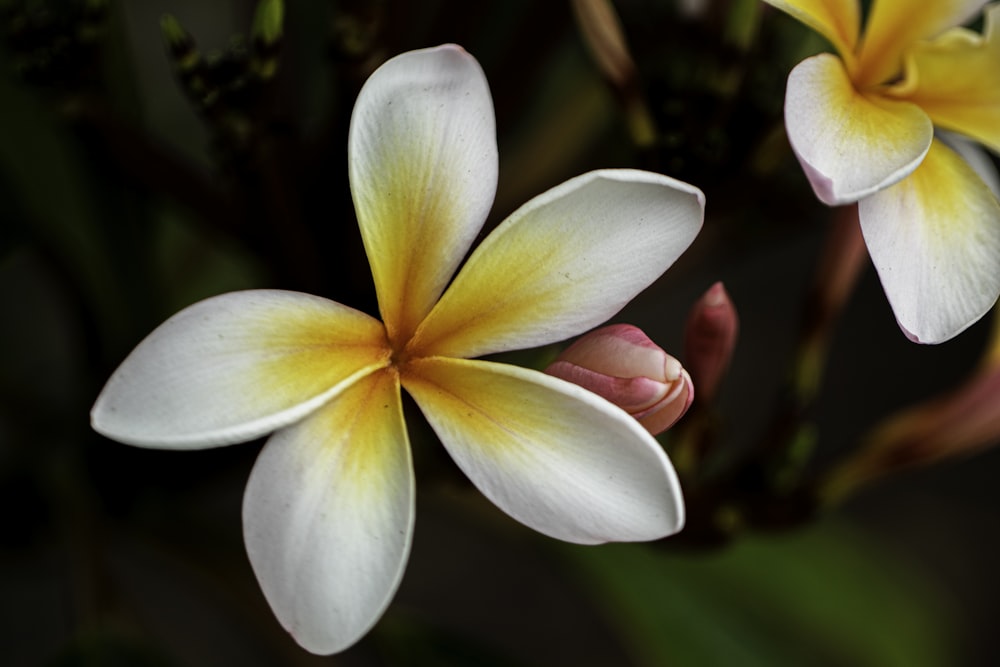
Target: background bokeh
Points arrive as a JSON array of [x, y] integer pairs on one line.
[[123, 200]]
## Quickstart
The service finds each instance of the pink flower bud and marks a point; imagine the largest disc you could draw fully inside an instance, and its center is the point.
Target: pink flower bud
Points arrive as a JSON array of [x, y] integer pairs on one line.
[[709, 338], [620, 363]]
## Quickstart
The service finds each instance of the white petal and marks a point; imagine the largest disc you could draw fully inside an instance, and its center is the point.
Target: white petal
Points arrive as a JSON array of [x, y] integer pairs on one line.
[[328, 516], [423, 168], [935, 240], [563, 263], [554, 456], [235, 367], [850, 144]]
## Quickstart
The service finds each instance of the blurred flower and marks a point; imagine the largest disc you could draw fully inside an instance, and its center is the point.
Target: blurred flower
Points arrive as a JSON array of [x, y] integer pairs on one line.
[[709, 339], [602, 31], [328, 510], [693, 9], [953, 424], [620, 363], [863, 128]]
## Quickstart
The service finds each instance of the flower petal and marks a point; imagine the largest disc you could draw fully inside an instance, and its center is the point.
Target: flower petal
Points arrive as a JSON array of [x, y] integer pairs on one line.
[[976, 156], [328, 515], [668, 411], [935, 240], [631, 394], [623, 350], [895, 25], [563, 263], [423, 167], [956, 80], [850, 144], [235, 367], [837, 20], [552, 455]]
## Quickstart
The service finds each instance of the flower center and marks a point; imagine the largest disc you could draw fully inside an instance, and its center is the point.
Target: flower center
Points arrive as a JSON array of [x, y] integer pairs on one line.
[[403, 352]]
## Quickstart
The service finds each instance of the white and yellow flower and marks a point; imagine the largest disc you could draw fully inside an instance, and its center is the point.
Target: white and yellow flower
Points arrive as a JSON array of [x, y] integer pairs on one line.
[[328, 510], [863, 128]]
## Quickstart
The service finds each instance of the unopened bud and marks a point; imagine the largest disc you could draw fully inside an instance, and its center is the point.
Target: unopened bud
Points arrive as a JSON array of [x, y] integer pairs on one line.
[[709, 339], [621, 364]]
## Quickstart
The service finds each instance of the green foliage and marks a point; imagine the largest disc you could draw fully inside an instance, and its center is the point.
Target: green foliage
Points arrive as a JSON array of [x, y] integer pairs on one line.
[[825, 597]]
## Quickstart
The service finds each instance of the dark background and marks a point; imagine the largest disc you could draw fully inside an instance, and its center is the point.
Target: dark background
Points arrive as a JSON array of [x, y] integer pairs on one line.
[[124, 200]]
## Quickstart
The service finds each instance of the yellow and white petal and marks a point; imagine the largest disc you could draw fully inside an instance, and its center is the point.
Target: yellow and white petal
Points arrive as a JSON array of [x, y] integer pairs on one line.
[[554, 456], [564, 262], [894, 26], [839, 21], [850, 144], [975, 156], [423, 166], [328, 515], [956, 81], [235, 367], [935, 240]]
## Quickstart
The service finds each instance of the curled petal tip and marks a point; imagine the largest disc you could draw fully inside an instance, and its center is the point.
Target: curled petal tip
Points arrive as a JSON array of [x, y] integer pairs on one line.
[[670, 408], [672, 369]]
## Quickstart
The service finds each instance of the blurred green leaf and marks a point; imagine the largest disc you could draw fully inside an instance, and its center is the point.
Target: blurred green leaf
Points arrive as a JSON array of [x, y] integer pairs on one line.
[[58, 205], [268, 21], [192, 265], [108, 650], [405, 640], [825, 596]]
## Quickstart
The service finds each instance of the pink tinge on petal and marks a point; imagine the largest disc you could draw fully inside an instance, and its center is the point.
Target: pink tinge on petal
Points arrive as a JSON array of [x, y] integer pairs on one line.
[[850, 142], [622, 350], [631, 394], [822, 185]]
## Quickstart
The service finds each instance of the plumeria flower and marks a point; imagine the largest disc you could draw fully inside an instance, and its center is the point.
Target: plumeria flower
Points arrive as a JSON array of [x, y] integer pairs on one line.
[[329, 508], [867, 127]]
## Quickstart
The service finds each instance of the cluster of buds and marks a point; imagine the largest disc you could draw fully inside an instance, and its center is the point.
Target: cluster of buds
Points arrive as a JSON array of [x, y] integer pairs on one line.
[[226, 86], [54, 46], [621, 364]]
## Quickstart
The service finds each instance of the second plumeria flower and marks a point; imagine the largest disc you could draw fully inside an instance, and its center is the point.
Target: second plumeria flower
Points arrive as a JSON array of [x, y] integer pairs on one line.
[[328, 511], [620, 363], [863, 125]]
